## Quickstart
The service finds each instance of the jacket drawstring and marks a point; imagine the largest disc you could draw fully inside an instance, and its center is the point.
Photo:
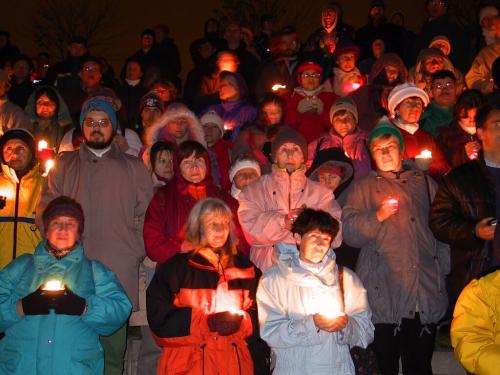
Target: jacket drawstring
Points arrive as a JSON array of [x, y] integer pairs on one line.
[[203, 358], [397, 329], [237, 356], [425, 329]]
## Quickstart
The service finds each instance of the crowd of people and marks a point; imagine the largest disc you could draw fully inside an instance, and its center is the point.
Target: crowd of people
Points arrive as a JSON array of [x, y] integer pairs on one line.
[[316, 207]]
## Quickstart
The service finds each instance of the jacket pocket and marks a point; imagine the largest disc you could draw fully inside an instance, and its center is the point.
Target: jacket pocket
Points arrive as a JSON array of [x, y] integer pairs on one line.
[[87, 361]]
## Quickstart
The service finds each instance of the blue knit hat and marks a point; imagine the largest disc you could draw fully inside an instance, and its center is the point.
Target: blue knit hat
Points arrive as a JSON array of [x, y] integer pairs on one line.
[[98, 104]]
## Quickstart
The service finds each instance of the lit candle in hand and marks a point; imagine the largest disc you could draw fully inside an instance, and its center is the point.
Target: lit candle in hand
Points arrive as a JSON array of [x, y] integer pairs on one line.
[[423, 160], [42, 145], [278, 86], [53, 286]]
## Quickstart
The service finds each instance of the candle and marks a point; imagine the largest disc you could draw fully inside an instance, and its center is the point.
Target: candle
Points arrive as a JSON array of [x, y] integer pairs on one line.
[[392, 202], [355, 86], [42, 145], [424, 154], [277, 87], [236, 311], [53, 286]]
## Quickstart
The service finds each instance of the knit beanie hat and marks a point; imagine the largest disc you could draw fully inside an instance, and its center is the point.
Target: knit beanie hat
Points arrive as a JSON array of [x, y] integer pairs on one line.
[[242, 164], [21, 134], [211, 117], [63, 206], [98, 104], [385, 127], [402, 92], [441, 39], [344, 104], [151, 100], [288, 135]]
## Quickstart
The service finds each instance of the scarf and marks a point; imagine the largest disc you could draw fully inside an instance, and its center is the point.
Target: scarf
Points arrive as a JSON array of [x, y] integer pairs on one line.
[[409, 127]]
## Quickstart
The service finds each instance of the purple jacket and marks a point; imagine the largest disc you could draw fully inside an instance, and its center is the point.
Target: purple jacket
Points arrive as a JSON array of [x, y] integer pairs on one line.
[[234, 114]]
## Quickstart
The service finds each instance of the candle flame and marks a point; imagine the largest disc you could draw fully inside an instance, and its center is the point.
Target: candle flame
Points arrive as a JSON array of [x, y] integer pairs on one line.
[[392, 201], [42, 145], [53, 285], [278, 86], [425, 154], [356, 85]]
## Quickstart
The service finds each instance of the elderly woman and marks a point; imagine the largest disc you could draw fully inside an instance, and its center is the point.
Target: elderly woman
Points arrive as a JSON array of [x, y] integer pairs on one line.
[[201, 304], [312, 312], [50, 328]]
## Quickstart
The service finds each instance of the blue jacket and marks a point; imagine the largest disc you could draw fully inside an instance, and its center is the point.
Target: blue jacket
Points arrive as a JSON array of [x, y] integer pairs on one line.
[[58, 344]]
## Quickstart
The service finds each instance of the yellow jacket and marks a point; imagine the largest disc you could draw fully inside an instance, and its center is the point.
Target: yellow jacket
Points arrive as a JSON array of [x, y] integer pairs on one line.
[[475, 330], [24, 195]]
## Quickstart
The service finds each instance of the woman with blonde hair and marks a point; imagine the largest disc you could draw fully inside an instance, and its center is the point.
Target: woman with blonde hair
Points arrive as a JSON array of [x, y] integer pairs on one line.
[[201, 304]]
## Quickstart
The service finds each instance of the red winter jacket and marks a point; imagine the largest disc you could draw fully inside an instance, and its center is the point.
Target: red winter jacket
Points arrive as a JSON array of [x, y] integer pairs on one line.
[[222, 150]]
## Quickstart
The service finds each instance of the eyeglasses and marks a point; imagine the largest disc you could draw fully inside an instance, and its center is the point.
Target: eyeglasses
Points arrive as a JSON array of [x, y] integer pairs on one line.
[[92, 124], [63, 225], [442, 86], [311, 75], [90, 69]]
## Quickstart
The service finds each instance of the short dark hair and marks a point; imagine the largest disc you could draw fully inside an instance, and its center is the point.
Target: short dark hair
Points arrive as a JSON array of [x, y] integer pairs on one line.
[[91, 59], [311, 219], [187, 148], [495, 72], [158, 147], [468, 100], [51, 93], [22, 57], [484, 112], [442, 74]]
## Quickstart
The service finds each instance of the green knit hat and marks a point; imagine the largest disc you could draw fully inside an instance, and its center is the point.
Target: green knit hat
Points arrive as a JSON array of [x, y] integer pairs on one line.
[[383, 127]]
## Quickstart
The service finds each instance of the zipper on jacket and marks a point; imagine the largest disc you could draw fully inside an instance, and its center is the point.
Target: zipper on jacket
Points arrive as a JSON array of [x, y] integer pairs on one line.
[[16, 213]]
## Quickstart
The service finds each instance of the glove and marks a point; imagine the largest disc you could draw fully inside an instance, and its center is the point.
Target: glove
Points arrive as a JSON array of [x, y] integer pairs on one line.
[[37, 303], [69, 303], [224, 323]]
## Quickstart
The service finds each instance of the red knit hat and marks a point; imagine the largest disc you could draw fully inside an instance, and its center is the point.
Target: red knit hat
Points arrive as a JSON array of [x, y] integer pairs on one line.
[[309, 65]]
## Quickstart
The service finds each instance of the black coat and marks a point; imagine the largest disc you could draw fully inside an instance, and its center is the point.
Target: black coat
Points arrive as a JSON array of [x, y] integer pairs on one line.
[[466, 196]]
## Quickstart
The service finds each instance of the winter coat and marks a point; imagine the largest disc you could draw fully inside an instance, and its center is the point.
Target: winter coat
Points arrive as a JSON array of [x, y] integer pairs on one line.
[[58, 344], [421, 140], [20, 92], [234, 114], [435, 118], [114, 191], [401, 264], [12, 116], [183, 292], [18, 232], [130, 97], [313, 122], [265, 203], [479, 76], [220, 163], [169, 210], [466, 196], [354, 146], [59, 125], [475, 327], [288, 297], [452, 141]]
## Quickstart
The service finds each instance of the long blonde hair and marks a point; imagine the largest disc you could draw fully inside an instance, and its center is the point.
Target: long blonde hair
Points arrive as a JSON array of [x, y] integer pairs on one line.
[[194, 229]]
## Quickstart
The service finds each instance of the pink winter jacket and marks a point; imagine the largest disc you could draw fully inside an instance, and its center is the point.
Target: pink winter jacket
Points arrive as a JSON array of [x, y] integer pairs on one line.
[[265, 203]]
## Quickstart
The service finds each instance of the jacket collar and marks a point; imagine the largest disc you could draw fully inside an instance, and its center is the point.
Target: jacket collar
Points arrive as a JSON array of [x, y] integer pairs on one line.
[[43, 257]]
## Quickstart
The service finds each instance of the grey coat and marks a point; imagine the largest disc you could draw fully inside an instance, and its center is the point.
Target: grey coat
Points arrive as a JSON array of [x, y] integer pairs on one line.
[[401, 264], [114, 191]]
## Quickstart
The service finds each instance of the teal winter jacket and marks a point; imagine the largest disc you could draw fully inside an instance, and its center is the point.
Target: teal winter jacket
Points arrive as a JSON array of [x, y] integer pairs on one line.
[[58, 344]]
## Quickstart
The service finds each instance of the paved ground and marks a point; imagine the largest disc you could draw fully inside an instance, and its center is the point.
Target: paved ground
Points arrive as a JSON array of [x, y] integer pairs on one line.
[[445, 363]]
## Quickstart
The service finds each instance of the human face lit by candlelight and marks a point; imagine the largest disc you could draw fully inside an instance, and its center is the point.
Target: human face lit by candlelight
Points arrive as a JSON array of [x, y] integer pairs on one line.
[[410, 110], [289, 157], [45, 107], [97, 129], [17, 154], [163, 165], [215, 229], [62, 232], [193, 168], [313, 245], [271, 113], [387, 154]]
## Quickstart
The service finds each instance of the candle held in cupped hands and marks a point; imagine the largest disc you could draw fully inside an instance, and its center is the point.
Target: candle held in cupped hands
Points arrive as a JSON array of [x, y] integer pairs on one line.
[[53, 286], [387, 208], [423, 160]]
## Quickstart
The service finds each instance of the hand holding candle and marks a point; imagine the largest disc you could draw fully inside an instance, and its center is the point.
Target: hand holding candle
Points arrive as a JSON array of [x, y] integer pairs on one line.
[[53, 285], [424, 160], [225, 323], [331, 324], [277, 87], [387, 208]]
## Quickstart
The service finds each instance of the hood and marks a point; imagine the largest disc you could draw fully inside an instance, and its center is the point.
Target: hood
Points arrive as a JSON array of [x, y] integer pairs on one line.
[[336, 157], [63, 115], [448, 65], [156, 131], [286, 259], [383, 61]]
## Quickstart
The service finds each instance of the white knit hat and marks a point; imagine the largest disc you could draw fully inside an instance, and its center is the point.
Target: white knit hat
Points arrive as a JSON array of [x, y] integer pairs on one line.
[[211, 117], [242, 164], [489, 10], [404, 91]]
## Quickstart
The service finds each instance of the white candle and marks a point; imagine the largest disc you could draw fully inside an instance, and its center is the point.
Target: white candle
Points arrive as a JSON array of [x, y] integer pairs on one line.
[[424, 154], [42, 145], [53, 285], [278, 86]]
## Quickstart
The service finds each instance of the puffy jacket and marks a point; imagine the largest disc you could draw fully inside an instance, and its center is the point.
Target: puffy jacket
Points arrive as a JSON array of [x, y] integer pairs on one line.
[[265, 203], [58, 344], [183, 292], [289, 296], [354, 146], [401, 264], [466, 196], [479, 76], [18, 232], [476, 326]]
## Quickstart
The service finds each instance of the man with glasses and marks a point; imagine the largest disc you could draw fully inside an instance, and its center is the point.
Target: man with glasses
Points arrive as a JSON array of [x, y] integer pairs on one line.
[[270, 205], [20, 189], [114, 190], [439, 113]]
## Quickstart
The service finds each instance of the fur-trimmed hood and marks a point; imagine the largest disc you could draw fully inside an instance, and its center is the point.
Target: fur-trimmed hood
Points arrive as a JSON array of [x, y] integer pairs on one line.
[[157, 131]]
